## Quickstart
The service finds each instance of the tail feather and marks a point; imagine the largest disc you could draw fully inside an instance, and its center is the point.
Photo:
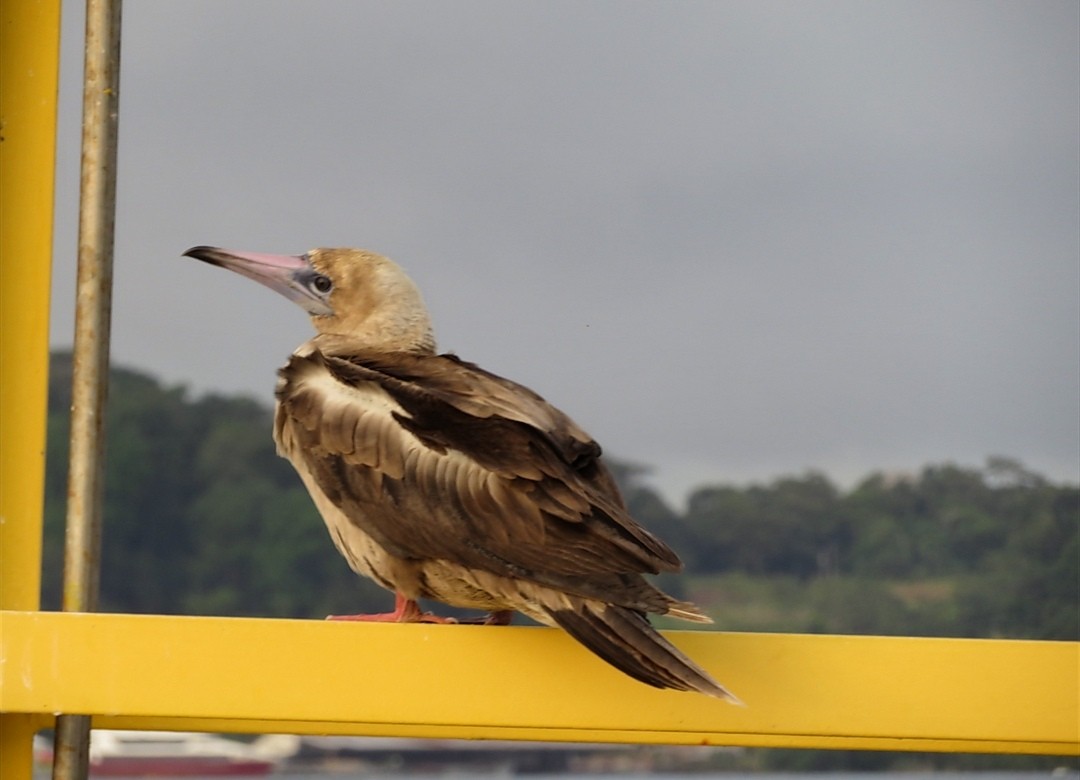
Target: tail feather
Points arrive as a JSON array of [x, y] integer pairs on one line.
[[687, 611], [625, 639]]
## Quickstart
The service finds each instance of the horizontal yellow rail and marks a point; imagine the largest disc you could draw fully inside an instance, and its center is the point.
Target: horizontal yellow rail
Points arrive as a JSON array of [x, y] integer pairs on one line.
[[226, 674]]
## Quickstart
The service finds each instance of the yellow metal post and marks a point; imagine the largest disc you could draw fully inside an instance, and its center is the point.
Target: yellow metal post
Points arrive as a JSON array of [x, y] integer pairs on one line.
[[29, 73]]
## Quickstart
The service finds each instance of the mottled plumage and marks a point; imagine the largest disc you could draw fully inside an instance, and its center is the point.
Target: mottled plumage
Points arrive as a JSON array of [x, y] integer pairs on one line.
[[440, 480]]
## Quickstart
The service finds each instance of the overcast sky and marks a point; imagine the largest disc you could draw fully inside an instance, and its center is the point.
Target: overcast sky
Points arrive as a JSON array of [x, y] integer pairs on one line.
[[733, 240]]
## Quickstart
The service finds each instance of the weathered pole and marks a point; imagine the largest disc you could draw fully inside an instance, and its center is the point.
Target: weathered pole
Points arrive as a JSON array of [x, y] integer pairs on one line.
[[93, 309]]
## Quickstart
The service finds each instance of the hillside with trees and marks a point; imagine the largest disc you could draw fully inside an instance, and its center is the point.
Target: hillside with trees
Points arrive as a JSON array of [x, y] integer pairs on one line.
[[203, 518]]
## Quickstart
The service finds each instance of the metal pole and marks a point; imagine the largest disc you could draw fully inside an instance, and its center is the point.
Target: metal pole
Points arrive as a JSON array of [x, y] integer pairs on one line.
[[93, 306]]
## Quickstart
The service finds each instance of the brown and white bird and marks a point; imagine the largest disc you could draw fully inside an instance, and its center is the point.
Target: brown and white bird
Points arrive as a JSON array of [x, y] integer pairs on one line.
[[440, 480]]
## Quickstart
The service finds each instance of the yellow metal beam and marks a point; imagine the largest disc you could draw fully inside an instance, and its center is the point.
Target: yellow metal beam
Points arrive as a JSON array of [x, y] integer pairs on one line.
[[221, 674], [29, 74], [28, 83]]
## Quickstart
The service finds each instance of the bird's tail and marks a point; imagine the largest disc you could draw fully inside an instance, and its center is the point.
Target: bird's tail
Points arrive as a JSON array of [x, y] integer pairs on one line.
[[625, 639]]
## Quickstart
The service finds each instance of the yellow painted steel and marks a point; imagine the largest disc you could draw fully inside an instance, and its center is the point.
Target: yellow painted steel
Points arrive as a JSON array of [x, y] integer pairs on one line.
[[221, 674], [28, 83], [29, 57]]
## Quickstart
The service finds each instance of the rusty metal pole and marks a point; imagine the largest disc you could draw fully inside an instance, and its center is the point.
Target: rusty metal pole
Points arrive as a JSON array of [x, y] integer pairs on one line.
[[93, 308]]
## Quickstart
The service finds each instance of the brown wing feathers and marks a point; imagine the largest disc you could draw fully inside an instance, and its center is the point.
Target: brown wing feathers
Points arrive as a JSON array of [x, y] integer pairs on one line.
[[525, 479], [518, 491]]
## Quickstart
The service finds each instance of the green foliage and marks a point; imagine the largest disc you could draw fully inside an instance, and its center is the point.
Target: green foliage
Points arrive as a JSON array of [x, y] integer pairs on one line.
[[950, 551], [202, 517], [793, 526]]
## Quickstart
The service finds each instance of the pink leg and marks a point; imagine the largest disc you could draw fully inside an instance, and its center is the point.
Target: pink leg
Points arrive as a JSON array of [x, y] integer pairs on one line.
[[405, 611]]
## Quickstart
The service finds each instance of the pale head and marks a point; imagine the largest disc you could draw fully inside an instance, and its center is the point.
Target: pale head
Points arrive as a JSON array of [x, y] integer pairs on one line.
[[353, 296]]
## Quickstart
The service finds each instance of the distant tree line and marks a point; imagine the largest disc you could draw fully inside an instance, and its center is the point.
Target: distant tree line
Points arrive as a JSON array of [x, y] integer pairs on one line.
[[950, 551], [202, 517]]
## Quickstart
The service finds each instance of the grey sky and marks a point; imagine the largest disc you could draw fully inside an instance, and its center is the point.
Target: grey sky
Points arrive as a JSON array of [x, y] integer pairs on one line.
[[732, 239]]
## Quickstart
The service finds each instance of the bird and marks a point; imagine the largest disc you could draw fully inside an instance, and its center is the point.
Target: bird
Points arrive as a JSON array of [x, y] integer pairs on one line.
[[440, 480]]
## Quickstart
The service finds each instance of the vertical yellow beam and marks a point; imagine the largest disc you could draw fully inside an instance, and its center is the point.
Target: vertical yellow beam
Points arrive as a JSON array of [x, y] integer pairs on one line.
[[29, 73]]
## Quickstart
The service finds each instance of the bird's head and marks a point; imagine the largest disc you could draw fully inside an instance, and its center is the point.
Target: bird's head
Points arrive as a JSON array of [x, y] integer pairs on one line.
[[351, 294]]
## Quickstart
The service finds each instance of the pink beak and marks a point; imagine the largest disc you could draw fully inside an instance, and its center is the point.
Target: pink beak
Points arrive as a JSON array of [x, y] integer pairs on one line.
[[289, 275]]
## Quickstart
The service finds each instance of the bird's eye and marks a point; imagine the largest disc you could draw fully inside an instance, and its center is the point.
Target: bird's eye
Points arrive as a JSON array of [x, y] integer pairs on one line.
[[321, 284]]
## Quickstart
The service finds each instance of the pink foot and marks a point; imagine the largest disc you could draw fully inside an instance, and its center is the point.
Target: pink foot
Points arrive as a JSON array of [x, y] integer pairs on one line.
[[405, 611]]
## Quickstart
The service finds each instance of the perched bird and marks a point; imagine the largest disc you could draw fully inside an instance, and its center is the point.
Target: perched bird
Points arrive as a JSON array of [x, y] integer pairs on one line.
[[440, 480]]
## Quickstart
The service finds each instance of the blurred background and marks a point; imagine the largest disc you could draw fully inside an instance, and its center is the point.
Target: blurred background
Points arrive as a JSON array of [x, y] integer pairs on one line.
[[733, 240], [810, 272]]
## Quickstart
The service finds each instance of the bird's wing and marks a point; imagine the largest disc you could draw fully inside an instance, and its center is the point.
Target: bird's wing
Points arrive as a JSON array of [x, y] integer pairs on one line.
[[435, 458]]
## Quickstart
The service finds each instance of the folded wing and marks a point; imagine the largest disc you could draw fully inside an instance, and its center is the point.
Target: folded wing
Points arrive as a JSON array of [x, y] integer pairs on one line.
[[437, 458]]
